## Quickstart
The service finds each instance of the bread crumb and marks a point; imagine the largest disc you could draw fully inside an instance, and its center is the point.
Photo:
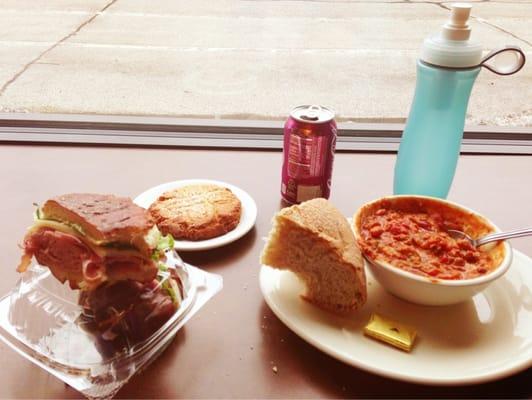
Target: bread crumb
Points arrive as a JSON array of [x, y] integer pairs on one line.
[[274, 369]]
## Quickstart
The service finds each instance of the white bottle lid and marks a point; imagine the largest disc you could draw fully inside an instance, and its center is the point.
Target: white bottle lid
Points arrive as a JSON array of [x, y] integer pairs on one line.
[[452, 47]]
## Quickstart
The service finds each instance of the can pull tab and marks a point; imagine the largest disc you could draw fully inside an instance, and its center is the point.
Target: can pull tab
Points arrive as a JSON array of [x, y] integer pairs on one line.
[[311, 114], [505, 61]]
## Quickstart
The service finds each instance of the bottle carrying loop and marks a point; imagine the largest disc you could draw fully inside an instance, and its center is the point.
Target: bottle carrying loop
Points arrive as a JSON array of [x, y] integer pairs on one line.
[[505, 69]]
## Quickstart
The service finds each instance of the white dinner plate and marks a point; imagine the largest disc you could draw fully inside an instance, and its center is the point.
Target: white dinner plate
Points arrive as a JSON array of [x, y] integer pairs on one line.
[[486, 338], [247, 219]]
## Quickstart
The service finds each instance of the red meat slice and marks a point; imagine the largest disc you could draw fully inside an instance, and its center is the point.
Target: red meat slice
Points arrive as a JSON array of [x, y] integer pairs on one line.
[[120, 267], [70, 259], [127, 309]]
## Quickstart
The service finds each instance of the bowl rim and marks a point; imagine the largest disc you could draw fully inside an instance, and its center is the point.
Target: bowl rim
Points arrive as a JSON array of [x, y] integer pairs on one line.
[[494, 274]]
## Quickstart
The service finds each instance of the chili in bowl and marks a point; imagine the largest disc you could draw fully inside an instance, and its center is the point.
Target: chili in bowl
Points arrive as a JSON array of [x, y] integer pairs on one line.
[[407, 247]]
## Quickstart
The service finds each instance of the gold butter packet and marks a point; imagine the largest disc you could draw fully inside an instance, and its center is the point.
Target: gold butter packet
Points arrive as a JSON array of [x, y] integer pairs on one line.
[[391, 332]]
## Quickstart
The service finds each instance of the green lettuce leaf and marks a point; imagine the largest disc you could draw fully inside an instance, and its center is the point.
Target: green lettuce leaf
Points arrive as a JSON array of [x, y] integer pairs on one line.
[[168, 284], [37, 213], [163, 243]]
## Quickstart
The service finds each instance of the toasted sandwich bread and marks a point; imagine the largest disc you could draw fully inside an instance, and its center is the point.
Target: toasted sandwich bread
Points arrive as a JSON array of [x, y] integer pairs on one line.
[[103, 218]]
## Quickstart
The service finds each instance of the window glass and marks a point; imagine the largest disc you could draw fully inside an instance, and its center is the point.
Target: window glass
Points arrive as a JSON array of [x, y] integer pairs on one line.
[[253, 59]]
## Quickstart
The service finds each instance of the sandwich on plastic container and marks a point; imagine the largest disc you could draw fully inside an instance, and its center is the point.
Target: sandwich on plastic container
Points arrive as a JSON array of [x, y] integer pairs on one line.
[[42, 320], [128, 292]]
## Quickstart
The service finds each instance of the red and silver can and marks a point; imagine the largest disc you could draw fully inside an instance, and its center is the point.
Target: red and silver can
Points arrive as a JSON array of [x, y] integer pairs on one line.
[[308, 154]]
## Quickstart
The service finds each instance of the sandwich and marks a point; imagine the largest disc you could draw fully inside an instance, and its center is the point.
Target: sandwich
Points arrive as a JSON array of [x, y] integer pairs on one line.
[[92, 239], [314, 241], [128, 311]]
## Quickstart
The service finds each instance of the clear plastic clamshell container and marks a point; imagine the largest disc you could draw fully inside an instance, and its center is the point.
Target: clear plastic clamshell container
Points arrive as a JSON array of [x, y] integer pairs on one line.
[[43, 321]]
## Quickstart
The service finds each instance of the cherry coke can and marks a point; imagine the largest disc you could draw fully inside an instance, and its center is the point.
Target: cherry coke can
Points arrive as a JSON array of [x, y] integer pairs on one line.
[[308, 154]]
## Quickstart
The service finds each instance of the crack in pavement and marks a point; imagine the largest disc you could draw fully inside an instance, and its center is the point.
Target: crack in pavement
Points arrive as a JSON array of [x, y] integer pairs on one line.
[[486, 22], [347, 1], [59, 42], [440, 4], [436, 2]]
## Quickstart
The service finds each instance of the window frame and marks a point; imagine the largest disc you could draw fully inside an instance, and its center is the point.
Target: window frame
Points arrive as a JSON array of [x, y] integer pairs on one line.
[[148, 131]]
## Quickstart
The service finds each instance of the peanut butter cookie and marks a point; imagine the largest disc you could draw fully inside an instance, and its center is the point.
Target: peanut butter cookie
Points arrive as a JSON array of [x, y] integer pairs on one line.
[[197, 212]]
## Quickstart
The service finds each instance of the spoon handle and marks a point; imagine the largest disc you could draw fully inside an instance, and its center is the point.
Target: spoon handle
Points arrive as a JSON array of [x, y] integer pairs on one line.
[[504, 235]]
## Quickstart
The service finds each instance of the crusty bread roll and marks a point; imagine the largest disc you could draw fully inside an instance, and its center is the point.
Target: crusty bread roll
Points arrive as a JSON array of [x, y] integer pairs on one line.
[[315, 241]]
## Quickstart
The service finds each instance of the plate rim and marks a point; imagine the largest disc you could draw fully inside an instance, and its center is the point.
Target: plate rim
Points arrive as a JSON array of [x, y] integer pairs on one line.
[[514, 368], [225, 239]]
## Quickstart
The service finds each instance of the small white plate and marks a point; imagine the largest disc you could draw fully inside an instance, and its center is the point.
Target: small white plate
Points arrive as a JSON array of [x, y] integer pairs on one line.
[[247, 219], [486, 338]]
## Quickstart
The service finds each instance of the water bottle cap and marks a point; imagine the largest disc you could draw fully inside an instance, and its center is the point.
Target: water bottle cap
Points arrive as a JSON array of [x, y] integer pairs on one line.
[[452, 48], [457, 27], [451, 53]]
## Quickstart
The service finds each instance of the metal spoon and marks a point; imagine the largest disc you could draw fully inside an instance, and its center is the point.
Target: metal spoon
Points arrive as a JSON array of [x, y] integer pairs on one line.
[[492, 237]]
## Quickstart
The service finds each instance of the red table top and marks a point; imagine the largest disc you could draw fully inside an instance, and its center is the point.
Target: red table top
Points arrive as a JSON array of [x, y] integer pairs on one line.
[[228, 349]]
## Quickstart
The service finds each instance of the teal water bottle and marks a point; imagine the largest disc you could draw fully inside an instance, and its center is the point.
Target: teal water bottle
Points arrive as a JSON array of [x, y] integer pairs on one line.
[[446, 71]]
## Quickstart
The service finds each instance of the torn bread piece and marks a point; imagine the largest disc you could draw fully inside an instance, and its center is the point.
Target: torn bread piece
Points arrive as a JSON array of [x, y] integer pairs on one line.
[[314, 240]]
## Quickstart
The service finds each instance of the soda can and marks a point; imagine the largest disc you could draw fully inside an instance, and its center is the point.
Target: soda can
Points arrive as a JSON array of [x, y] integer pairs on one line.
[[308, 154]]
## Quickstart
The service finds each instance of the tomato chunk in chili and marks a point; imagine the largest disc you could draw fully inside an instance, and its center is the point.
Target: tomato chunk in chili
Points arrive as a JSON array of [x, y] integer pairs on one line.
[[419, 243]]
